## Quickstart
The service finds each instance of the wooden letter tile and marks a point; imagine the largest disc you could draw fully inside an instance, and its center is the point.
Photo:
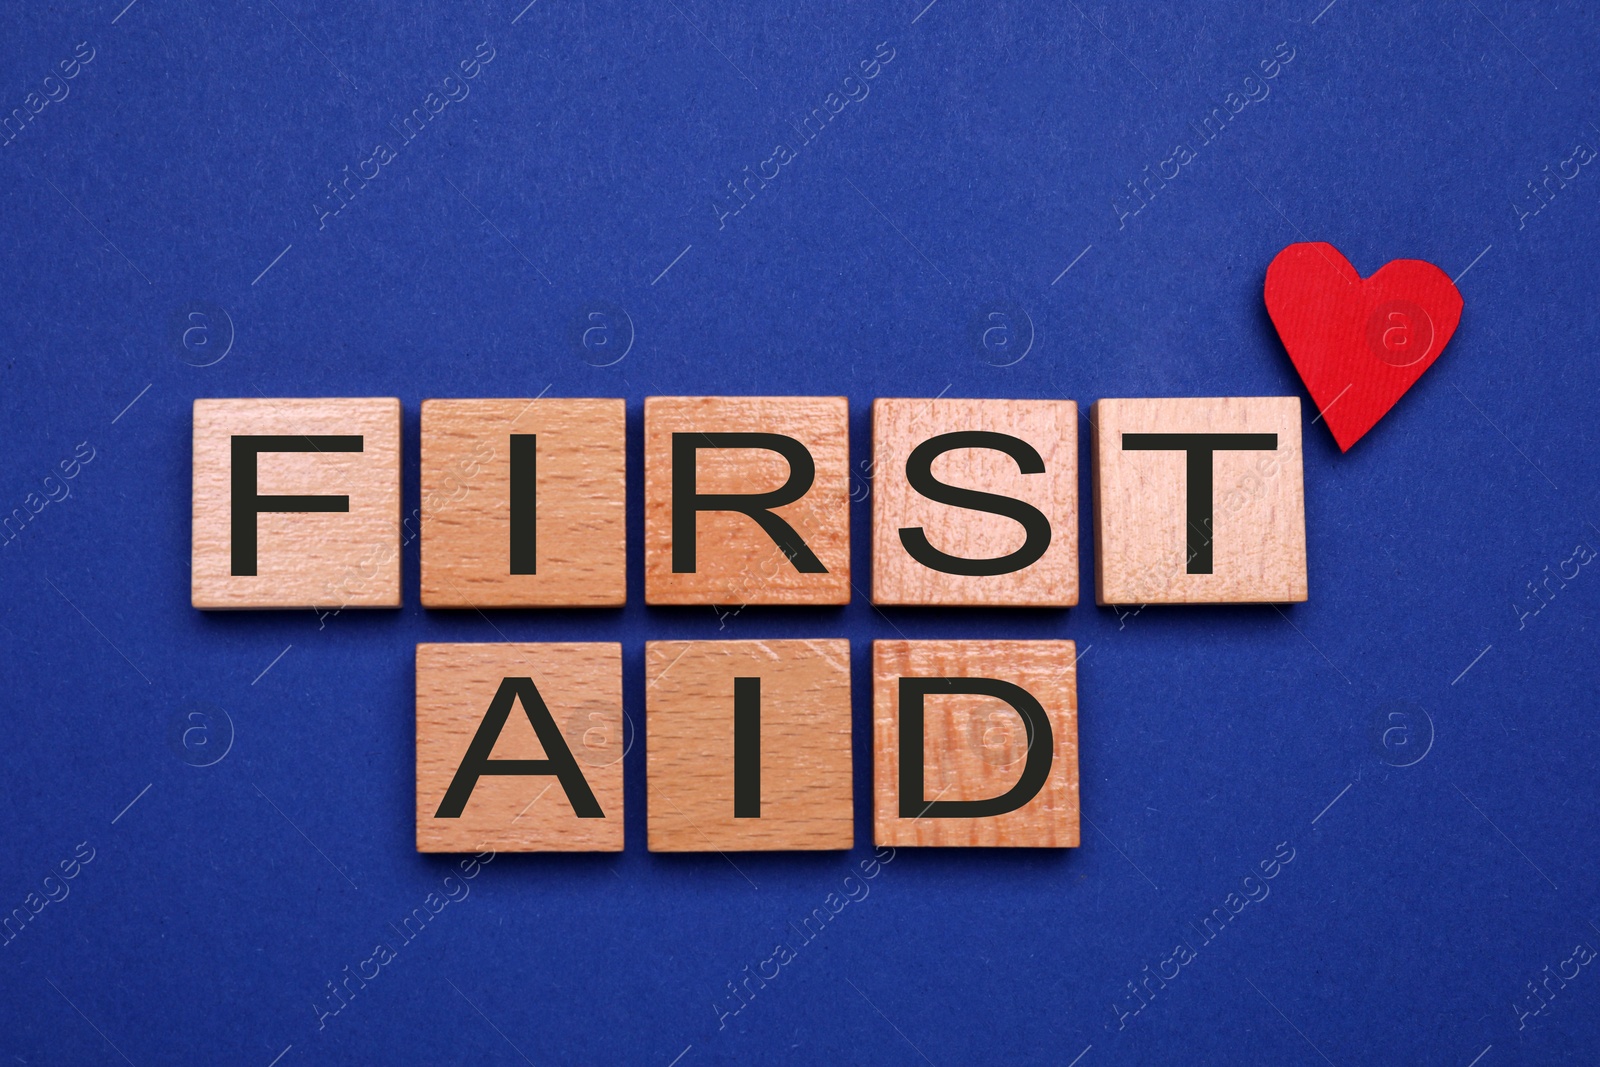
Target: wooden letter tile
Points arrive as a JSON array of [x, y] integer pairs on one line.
[[296, 504], [972, 778], [748, 745], [522, 503], [935, 541], [519, 747], [1199, 501], [771, 476]]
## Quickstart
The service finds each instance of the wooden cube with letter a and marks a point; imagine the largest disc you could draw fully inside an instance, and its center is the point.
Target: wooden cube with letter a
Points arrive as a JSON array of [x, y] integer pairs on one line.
[[748, 745], [746, 500], [296, 503], [1199, 501], [519, 747], [523, 503], [975, 743], [975, 502]]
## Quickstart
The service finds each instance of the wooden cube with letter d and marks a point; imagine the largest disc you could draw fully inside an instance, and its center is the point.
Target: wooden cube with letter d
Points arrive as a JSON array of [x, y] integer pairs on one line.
[[975, 743]]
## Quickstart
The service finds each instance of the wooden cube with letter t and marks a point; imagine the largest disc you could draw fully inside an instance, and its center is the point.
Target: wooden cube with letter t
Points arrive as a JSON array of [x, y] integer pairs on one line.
[[748, 745], [519, 747], [975, 743], [296, 503], [1199, 501], [746, 500], [975, 502], [522, 503]]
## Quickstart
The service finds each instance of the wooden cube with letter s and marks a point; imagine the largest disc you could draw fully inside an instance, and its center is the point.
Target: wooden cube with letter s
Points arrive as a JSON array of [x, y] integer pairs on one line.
[[975, 502]]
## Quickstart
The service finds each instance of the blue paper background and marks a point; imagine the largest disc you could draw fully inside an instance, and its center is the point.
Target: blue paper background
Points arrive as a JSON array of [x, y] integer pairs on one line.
[[184, 166]]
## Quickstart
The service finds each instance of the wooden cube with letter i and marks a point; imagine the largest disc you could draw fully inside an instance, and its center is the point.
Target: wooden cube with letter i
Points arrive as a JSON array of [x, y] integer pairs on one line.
[[523, 503], [748, 745]]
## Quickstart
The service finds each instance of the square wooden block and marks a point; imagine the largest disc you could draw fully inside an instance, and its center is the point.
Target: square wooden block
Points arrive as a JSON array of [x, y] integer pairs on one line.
[[748, 745], [1199, 501], [523, 503], [973, 778], [936, 541], [296, 504], [519, 747], [771, 475]]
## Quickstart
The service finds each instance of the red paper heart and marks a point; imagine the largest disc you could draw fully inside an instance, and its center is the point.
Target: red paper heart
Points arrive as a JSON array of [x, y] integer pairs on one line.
[[1358, 343]]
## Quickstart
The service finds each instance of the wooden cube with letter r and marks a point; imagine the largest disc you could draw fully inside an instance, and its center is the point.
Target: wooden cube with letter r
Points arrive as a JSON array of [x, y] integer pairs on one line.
[[746, 500]]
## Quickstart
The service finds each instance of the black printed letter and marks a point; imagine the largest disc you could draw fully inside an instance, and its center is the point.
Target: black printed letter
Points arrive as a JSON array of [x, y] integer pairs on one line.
[[247, 504], [687, 504], [1199, 447], [1041, 748], [558, 757], [524, 503], [919, 472], [747, 748]]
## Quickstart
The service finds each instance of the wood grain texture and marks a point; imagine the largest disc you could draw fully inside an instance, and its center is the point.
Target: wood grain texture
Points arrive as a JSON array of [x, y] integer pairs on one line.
[[326, 560], [1140, 504], [975, 746], [1050, 427], [805, 759], [581, 540], [737, 562], [581, 685]]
